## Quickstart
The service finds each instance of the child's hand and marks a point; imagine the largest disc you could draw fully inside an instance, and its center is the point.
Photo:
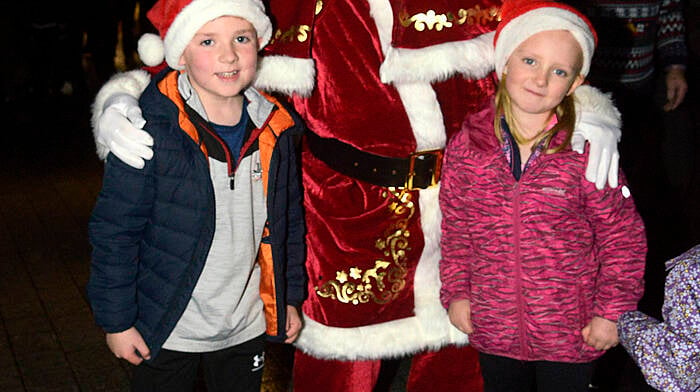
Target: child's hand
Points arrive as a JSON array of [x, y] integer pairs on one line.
[[129, 345], [293, 324], [460, 313], [600, 334]]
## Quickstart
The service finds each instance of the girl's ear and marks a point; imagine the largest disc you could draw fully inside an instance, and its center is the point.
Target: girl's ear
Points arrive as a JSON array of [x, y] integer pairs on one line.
[[578, 80]]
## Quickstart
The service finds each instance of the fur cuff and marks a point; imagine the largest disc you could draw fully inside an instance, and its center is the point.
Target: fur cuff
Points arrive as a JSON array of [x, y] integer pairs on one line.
[[287, 75], [472, 58], [131, 82], [590, 99], [386, 340]]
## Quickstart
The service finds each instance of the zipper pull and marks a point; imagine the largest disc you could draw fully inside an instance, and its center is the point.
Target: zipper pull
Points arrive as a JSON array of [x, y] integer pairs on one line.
[[257, 172], [232, 183]]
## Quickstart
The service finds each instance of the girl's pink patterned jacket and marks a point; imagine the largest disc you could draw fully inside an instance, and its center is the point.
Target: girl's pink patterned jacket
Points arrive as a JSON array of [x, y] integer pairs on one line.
[[539, 257]]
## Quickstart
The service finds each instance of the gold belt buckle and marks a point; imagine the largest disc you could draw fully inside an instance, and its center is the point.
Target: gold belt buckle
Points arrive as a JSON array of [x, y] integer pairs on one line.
[[435, 176]]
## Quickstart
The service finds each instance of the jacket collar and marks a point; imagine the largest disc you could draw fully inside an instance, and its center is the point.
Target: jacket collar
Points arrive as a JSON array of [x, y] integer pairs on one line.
[[259, 108]]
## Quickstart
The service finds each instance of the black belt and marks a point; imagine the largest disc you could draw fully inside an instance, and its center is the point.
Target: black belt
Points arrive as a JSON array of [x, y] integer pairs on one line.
[[419, 170]]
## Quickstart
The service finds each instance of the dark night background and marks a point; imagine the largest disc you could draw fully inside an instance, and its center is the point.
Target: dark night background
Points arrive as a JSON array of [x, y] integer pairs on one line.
[[54, 57]]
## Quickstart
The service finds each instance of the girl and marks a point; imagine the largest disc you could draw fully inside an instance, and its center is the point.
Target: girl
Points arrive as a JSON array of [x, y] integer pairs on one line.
[[537, 264]]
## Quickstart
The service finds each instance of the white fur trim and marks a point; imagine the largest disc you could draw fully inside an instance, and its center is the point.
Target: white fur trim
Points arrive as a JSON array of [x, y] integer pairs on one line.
[[472, 58], [536, 21], [381, 12], [591, 100], [131, 82], [287, 75], [196, 14], [150, 49], [424, 114]]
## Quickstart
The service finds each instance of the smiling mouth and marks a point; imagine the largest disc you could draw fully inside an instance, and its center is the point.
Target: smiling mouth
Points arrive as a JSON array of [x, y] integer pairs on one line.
[[228, 74], [534, 93]]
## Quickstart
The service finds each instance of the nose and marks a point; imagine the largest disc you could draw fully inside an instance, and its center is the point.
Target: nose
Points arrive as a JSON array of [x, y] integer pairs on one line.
[[228, 54], [541, 77]]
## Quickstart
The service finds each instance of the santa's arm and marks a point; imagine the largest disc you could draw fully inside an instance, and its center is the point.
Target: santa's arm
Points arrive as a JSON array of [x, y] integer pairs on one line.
[[117, 122], [598, 123]]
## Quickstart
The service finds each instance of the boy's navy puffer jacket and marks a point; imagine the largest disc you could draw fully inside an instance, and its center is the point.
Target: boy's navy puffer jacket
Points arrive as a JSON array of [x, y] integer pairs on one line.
[[151, 229]]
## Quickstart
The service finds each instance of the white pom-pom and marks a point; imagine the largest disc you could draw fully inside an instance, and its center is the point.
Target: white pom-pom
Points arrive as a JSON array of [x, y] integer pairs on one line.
[[150, 49]]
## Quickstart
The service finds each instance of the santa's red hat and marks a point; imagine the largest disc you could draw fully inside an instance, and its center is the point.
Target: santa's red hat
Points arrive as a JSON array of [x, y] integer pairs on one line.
[[178, 21], [521, 19]]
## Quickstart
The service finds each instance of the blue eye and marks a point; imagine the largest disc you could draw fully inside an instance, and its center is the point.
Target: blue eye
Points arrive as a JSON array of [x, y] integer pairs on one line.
[[561, 72], [529, 61], [241, 39], [207, 42]]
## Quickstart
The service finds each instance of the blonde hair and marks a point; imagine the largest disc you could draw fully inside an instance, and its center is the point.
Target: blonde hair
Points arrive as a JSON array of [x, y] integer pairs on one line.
[[565, 111]]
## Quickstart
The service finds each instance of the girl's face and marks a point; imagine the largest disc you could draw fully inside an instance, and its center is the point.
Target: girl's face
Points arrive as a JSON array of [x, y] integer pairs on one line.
[[221, 59], [542, 71]]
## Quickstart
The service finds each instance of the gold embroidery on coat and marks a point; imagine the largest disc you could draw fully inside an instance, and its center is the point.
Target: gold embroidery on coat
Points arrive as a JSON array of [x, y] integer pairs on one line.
[[478, 16], [319, 7], [431, 20], [428, 20], [295, 33], [382, 283]]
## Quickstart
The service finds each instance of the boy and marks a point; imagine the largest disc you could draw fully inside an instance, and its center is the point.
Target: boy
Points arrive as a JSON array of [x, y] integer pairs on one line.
[[174, 277]]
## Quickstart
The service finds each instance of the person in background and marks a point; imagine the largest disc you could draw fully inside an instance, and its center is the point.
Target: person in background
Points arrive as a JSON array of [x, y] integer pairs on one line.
[[642, 60], [668, 351], [537, 263]]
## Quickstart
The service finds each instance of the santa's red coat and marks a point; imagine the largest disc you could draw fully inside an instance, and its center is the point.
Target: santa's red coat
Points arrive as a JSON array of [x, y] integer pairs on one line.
[[389, 78]]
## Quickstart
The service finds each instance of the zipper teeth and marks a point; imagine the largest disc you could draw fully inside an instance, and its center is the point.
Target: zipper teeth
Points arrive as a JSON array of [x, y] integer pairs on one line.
[[225, 147], [519, 268], [230, 164]]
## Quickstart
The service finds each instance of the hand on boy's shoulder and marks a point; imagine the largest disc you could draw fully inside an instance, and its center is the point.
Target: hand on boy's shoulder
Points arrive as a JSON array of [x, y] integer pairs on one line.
[[129, 345]]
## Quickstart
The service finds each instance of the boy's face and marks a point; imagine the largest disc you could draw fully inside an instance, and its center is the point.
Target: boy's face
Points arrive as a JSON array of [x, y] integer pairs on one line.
[[542, 70], [221, 59]]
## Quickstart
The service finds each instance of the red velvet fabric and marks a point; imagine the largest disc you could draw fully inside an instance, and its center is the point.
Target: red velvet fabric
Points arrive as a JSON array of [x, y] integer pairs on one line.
[[350, 103], [350, 224], [346, 217], [315, 375], [460, 95], [343, 236], [454, 369], [292, 21]]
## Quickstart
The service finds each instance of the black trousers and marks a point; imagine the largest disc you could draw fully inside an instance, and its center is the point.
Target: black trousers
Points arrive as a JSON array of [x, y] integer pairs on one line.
[[237, 368], [502, 374]]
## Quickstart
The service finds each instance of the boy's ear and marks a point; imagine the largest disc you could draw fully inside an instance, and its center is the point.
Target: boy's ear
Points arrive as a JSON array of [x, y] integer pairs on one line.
[[260, 40], [574, 85]]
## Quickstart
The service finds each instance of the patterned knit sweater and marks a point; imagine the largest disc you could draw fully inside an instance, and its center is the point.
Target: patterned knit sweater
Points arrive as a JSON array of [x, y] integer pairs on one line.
[[634, 37]]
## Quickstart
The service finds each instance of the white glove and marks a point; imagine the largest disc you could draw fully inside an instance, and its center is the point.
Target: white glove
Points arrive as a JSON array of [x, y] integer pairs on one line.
[[603, 160], [119, 128]]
